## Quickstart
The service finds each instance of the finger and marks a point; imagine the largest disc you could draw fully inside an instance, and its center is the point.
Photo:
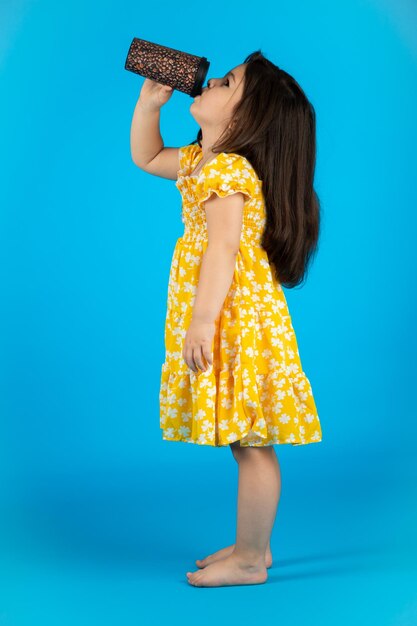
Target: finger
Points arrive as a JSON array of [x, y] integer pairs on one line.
[[198, 358], [207, 353], [205, 357], [208, 356], [189, 360]]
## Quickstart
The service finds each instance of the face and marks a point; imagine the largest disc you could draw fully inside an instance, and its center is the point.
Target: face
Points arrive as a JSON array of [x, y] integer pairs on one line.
[[213, 109]]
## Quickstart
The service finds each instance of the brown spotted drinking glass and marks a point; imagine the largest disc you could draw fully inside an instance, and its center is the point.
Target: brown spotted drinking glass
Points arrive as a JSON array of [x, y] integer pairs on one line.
[[180, 70]]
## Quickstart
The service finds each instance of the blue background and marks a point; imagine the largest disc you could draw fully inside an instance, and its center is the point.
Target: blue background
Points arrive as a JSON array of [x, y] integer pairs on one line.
[[99, 518]]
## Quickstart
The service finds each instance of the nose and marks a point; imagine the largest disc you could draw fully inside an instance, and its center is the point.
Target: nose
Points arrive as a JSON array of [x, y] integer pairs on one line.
[[208, 85]]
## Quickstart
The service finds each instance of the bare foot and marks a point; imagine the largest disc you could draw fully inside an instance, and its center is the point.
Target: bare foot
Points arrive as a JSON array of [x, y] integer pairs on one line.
[[224, 552], [230, 570]]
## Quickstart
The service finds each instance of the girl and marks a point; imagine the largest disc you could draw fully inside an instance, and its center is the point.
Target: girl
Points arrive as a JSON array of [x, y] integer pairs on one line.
[[232, 373]]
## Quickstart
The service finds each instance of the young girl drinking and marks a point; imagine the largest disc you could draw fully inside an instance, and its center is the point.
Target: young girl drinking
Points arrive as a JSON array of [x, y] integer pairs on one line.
[[232, 373]]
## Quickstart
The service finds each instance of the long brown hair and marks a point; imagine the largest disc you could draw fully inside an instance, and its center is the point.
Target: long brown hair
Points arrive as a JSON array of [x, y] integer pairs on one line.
[[274, 127]]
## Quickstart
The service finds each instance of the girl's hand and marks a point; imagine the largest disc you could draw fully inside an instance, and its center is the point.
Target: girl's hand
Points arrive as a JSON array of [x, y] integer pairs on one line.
[[154, 95], [197, 345]]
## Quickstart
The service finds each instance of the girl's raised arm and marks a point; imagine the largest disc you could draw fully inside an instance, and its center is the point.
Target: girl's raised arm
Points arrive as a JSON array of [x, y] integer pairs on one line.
[[146, 144]]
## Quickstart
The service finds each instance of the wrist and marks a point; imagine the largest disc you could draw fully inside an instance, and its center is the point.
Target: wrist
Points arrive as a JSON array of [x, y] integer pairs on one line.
[[201, 318], [147, 108]]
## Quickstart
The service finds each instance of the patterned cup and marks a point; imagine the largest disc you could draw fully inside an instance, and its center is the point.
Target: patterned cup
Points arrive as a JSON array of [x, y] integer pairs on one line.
[[180, 70]]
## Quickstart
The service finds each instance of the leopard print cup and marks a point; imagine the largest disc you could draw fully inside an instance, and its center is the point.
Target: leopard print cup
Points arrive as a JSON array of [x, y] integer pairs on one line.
[[180, 70]]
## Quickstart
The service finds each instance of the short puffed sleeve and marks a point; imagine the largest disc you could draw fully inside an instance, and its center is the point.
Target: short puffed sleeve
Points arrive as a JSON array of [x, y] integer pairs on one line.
[[186, 157], [226, 175]]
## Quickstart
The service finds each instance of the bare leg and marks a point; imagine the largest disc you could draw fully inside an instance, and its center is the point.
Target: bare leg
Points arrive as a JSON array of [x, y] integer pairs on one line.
[[224, 552], [258, 497]]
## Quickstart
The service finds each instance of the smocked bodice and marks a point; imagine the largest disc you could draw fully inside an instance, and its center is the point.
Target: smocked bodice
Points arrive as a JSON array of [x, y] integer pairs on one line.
[[223, 175]]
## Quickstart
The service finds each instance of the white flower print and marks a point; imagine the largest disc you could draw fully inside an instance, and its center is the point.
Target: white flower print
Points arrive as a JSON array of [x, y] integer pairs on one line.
[[207, 426], [254, 325], [199, 415]]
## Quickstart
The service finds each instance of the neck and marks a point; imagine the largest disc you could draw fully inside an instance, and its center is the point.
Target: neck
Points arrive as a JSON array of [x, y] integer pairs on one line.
[[210, 137]]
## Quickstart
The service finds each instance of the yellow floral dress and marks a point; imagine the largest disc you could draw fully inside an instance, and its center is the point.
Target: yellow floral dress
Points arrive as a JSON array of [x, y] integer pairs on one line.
[[256, 390]]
